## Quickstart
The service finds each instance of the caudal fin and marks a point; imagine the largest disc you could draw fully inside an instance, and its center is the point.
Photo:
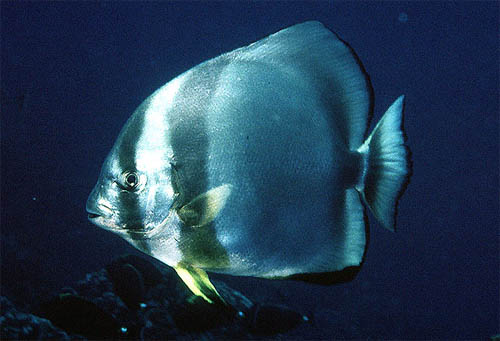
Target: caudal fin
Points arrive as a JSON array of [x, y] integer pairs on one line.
[[387, 166]]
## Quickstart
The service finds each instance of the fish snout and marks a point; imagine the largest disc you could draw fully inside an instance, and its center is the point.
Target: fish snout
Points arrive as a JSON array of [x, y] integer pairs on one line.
[[92, 215], [102, 215], [98, 210], [93, 211], [97, 207]]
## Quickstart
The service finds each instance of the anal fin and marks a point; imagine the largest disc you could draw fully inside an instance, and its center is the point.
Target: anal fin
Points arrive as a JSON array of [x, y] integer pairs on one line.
[[346, 257], [198, 282]]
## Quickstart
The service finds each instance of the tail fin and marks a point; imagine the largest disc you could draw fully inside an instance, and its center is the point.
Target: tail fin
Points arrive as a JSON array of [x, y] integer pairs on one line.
[[387, 165]]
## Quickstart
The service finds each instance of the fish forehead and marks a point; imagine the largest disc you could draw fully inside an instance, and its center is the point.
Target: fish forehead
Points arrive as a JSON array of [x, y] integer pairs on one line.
[[144, 143], [154, 150]]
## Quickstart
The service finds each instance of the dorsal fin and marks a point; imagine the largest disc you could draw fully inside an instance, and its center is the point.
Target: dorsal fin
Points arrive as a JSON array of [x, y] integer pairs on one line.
[[342, 83]]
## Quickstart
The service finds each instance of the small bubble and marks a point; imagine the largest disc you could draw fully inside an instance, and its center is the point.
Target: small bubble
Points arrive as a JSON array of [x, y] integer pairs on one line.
[[305, 318], [34, 198], [123, 329], [143, 305], [241, 314], [403, 17]]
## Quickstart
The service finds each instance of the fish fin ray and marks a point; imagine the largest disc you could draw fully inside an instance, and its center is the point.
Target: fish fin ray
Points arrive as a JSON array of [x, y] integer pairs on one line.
[[388, 165], [198, 282], [349, 243], [203, 209], [356, 235]]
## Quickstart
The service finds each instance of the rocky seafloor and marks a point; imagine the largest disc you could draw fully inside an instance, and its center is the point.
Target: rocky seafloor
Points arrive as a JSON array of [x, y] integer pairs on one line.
[[135, 299]]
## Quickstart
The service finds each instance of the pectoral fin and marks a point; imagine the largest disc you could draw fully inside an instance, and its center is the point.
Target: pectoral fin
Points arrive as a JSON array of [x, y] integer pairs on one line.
[[197, 281], [205, 207]]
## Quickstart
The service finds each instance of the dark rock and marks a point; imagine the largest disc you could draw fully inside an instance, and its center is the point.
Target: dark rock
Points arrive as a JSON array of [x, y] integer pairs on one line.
[[94, 285], [196, 314], [159, 325], [128, 284], [15, 325], [97, 288], [136, 299], [151, 275], [77, 315], [159, 295], [68, 290]]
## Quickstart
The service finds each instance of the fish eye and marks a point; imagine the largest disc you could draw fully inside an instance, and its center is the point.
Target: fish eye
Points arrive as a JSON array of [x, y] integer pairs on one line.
[[130, 180]]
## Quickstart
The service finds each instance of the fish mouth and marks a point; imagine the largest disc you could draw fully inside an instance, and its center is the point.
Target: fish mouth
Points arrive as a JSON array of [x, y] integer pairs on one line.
[[93, 214], [103, 221], [101, 216], [98, 216], [100, 210]]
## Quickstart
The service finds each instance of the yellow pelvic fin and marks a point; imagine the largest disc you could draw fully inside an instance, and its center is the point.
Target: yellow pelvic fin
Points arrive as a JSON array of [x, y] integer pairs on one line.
[[197, 281], [205, 207]]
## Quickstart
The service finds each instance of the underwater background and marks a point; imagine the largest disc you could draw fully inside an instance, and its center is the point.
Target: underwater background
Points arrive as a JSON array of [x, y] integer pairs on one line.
[[73, 72]]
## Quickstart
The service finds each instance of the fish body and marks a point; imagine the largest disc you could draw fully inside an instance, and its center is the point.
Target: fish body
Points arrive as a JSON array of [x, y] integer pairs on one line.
[[257, 163]]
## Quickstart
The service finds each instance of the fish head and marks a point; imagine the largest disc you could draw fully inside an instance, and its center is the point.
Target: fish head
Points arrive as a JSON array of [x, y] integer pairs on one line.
[[135, 192], [130, 200]]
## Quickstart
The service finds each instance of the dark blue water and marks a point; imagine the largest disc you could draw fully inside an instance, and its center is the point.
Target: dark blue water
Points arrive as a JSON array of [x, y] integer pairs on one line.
[[72, 73]]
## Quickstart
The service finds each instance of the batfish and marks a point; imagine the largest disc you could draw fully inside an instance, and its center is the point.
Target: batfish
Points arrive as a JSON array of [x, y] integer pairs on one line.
[[258, 163]]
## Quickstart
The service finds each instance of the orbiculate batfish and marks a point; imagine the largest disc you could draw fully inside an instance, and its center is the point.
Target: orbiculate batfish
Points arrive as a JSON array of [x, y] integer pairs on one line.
[[258, 163]]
